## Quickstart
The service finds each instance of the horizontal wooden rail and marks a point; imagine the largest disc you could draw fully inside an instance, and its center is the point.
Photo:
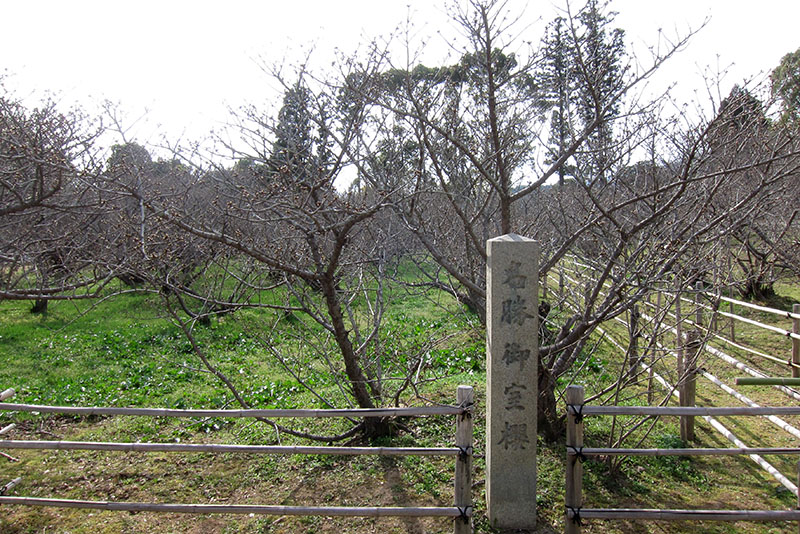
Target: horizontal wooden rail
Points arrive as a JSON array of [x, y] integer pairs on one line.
[[269, 414], [780, 423], [683, 410], [575, 513], [752, 322], [750, 381], [771, 328], [782, 361], [782, 313], [683, 515], [461, 511], [788, 315], [713, 296], [587, 451], [736, 363], [339, 511], [223, 448], [719, 427], [753, 372]]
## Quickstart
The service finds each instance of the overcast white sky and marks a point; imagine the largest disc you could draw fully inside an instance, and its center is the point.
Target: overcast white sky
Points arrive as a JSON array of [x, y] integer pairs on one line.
[[188, 61]]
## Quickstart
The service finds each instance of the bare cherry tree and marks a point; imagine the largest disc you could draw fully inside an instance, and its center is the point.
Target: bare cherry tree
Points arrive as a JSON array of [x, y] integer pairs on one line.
[[762, 246], [48, 206], [477, 171], [292, 240]]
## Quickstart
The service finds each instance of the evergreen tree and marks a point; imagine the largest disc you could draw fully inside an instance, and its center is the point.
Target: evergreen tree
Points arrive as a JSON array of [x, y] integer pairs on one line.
[[599, 77], [293, 149], [555, 80], [301, 150], [786, 85]]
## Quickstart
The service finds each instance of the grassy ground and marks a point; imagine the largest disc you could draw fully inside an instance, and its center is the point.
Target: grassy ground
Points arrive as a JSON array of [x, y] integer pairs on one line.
[[123, 353], [704, 482]]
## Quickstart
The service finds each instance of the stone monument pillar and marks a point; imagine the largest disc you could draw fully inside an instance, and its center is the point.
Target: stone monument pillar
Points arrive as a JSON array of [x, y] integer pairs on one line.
[[512, 351]]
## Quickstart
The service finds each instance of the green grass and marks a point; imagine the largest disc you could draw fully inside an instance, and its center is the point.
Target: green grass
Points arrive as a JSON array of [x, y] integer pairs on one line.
[[134, 358], [125, 352]]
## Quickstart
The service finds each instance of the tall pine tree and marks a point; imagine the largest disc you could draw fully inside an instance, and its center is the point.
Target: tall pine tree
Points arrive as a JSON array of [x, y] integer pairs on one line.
[[599, 69], [786, 85], [292, 156], [556, 81]]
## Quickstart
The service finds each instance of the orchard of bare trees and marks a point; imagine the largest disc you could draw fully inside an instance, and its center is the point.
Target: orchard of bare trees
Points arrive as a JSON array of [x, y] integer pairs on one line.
[[385, 166]]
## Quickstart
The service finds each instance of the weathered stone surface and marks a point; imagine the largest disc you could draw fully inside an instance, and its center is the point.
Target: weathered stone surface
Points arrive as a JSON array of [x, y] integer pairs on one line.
[[512, 354]]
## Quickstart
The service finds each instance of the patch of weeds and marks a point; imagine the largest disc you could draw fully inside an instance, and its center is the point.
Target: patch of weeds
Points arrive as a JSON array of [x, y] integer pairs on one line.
[[594, 365], [550, 475], [273, 395], [209, 425], [614, 482], [312, 524], [480, 522], [679, 468], [784, 495], [324, 462], [470, 359], [426, 476], [406, 337], [426, 432]]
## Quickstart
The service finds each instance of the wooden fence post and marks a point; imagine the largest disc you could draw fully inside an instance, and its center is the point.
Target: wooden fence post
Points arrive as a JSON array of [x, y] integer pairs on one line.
[[796, 342], [698, 313], [633, 332], [463, 478], [689, 393], [679, 339], [561, 281], [656, 329], [574, 480], [543, 283]]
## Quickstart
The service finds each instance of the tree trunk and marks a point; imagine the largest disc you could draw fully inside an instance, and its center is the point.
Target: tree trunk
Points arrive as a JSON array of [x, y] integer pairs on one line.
[[756, 289], [40, 306], [131, 279], [550, 424], [379, 427], [374, 427], [358, 382], [474, 302]]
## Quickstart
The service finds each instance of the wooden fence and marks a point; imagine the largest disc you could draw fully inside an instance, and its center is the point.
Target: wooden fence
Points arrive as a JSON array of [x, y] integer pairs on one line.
[[461, 511], [701, 323], [713, 307], [703, 303], [575, 513]]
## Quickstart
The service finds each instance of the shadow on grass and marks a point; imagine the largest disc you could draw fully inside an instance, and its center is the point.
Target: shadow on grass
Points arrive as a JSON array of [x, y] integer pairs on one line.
[[780, 302], [400, 497]]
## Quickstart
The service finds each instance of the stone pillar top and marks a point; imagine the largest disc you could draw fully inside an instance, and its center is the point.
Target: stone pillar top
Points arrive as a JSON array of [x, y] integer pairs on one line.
[[511, 237]]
